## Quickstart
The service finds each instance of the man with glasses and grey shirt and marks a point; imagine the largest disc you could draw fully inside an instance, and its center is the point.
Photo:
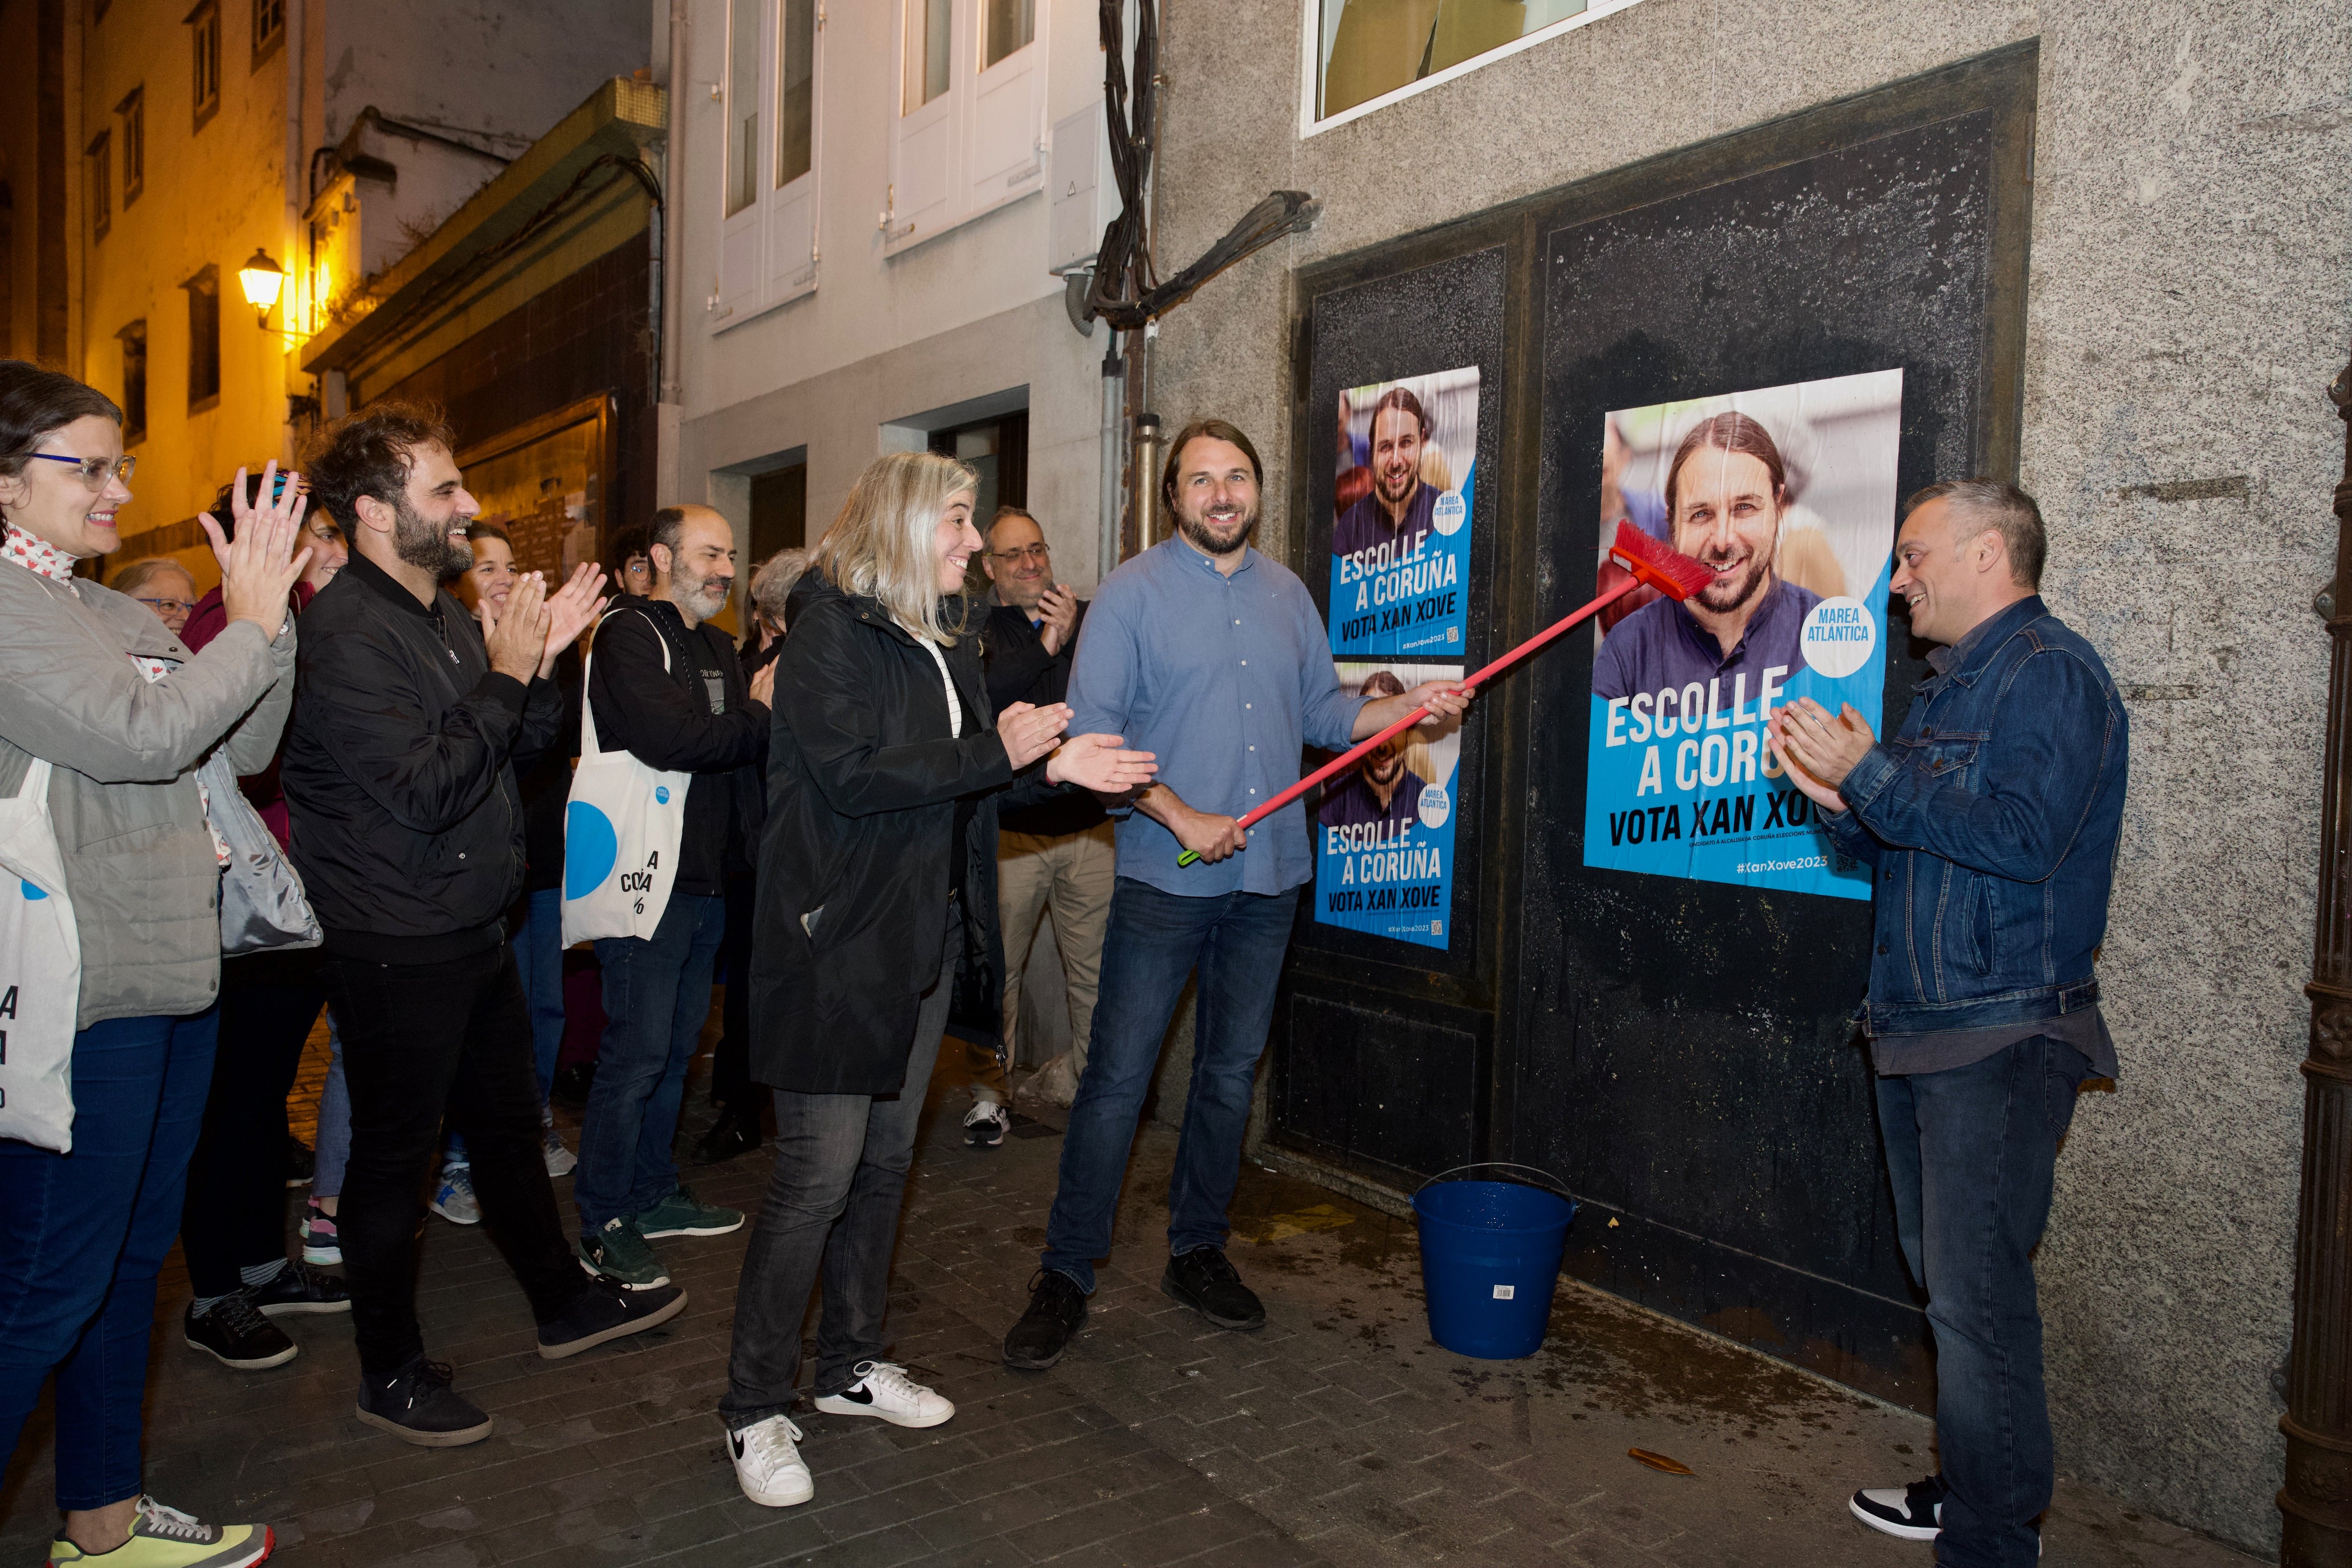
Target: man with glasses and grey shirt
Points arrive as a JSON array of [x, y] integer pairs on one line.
[[1058, 854]]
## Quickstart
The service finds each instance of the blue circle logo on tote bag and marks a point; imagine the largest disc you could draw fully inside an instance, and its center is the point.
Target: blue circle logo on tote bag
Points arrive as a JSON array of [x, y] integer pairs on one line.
[[32, 893], [591, 850], [661, 795]]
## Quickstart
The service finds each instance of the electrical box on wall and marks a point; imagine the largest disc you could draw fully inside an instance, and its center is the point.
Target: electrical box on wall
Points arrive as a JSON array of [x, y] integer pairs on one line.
[[1085, 193]]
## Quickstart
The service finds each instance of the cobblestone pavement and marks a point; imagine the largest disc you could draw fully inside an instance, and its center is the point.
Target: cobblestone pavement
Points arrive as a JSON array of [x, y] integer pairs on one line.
[[1338, 1435]]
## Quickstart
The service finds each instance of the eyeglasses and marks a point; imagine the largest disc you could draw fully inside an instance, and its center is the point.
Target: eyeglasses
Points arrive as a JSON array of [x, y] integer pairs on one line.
[[94, 471], [171, 606], [1038, 551]]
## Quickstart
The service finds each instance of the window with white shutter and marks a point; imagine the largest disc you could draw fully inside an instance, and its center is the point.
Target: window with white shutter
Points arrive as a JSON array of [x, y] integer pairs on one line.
[[772, 83], [970, 134]]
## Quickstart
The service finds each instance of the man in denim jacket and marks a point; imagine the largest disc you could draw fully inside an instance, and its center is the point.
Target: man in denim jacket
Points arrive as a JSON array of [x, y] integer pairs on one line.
[[1990, 822]]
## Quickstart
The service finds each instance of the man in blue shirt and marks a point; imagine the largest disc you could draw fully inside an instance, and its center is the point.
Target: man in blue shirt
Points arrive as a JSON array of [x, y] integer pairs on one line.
[[1213, 656], [1989, 822]]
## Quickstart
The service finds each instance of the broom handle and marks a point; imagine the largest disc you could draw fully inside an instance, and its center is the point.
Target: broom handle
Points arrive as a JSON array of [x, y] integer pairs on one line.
[[1355, 753]]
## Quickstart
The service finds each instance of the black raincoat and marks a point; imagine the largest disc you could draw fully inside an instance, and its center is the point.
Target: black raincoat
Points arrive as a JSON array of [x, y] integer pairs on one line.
[[864, 787]]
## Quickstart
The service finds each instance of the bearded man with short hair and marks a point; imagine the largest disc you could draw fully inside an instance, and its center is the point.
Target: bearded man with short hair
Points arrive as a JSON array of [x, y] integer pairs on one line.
[[399, 778], [1216, 658], [666, 686]]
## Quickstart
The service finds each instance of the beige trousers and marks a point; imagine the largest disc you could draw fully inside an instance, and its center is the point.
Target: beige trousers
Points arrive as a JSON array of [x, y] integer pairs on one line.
[[1072, 874]]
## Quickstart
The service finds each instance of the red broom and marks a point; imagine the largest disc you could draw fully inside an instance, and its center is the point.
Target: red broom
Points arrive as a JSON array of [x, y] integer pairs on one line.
[[1675, 576]]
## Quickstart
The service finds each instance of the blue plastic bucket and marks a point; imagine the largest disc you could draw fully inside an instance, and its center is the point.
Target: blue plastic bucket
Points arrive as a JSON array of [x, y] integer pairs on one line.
[[1490, 1255]]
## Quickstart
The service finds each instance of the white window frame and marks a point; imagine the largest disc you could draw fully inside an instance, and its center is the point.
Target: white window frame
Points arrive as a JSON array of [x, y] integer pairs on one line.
[[1310, 64], [993, 123], [767, 232]]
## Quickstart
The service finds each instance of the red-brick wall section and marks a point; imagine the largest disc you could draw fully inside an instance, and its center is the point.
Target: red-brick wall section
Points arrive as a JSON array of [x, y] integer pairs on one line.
[[590, 333]]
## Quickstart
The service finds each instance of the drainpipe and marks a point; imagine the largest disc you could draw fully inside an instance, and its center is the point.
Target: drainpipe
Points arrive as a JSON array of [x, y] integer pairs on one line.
[[672, 205], [2316, 1501], [298, 297], [1114, 410]]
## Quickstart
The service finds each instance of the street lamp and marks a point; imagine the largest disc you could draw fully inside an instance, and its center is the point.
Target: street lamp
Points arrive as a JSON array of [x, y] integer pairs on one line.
[[262, 279]]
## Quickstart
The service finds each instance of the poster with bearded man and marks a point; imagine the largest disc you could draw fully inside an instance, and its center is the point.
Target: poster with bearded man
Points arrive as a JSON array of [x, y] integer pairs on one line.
[[1401, 538], [1384, 829], [1787, 493]]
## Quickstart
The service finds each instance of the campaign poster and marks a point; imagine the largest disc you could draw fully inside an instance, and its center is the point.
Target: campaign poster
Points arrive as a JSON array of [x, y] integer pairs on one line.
[[1788, 492], [1384, 829], [1400, 531]]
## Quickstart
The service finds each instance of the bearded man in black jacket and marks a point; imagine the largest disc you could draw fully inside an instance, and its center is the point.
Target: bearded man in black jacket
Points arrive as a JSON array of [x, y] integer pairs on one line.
[[408, 830], [665, 686]]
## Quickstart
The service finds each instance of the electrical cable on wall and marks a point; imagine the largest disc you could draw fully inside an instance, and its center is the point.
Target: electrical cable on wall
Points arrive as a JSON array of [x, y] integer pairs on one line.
[[1127, 292]]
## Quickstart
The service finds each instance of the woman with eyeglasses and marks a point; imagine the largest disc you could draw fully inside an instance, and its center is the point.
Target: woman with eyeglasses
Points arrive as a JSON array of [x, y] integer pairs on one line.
[[92, 683], [163, 585]]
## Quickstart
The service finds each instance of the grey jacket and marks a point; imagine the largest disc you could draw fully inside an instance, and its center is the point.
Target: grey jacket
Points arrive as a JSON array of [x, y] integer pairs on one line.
[[139, 864]]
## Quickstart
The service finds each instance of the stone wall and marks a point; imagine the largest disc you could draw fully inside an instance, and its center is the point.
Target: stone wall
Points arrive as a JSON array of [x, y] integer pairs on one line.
[[2191, 295]]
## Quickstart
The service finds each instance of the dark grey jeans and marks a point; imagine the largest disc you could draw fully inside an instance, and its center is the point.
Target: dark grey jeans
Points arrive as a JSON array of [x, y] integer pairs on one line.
[[832, 1208]]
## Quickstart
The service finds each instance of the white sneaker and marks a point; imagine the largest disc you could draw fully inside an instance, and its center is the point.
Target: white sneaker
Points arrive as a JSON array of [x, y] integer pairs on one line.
[[984, 1124], [768, 1466], [559, 1160], [1914, 1512], [884, 1389]]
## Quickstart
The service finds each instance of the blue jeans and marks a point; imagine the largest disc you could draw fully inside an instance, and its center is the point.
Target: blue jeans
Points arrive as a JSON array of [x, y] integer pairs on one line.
[[335, 1150], [1972, 1152], [657, 995], [81, 1237], [539, 953], [1155, 940]]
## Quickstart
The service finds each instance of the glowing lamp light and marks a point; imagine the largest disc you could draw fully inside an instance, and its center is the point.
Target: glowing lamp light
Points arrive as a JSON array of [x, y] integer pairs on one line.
[[261, 280]]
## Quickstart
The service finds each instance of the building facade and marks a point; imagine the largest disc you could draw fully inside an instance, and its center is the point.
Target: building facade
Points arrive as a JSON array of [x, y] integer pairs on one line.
[[864, 258], [2182, 306], [169, 149]]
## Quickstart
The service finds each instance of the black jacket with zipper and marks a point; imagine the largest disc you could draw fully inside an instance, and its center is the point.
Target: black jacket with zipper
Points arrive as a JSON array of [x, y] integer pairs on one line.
[[671, 719], [400, 772], [1019, 669], [864, 787]]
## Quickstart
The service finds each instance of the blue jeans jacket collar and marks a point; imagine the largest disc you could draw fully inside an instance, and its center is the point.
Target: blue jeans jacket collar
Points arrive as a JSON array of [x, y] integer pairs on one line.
[[1990, 820]]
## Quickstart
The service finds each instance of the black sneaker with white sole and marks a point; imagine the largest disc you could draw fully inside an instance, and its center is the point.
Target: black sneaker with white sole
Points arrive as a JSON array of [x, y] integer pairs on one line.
[[235, 1334], [418, 1405], [1914, 1512], [608, 1310], [297, 1288]]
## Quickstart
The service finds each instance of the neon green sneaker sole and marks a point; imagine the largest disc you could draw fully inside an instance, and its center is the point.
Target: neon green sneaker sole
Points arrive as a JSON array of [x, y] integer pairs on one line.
[[169, 1539]]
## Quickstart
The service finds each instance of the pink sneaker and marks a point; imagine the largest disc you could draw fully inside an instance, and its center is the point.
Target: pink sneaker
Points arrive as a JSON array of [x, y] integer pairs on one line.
[[320, 1243]]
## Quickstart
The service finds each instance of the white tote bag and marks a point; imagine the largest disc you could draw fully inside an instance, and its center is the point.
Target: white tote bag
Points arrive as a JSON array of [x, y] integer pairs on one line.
[[621, 832], [40, 972]]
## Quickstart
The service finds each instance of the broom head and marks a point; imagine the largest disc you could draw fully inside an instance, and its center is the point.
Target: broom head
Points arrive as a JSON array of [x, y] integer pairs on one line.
[[1667, 570]]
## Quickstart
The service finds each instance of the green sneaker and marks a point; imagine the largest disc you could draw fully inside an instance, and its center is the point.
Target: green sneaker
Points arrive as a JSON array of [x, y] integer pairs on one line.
[[680, 1215], [619, 1253]]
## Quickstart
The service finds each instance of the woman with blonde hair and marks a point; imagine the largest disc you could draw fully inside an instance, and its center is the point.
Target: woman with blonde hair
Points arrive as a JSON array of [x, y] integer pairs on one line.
[[876, 907]]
